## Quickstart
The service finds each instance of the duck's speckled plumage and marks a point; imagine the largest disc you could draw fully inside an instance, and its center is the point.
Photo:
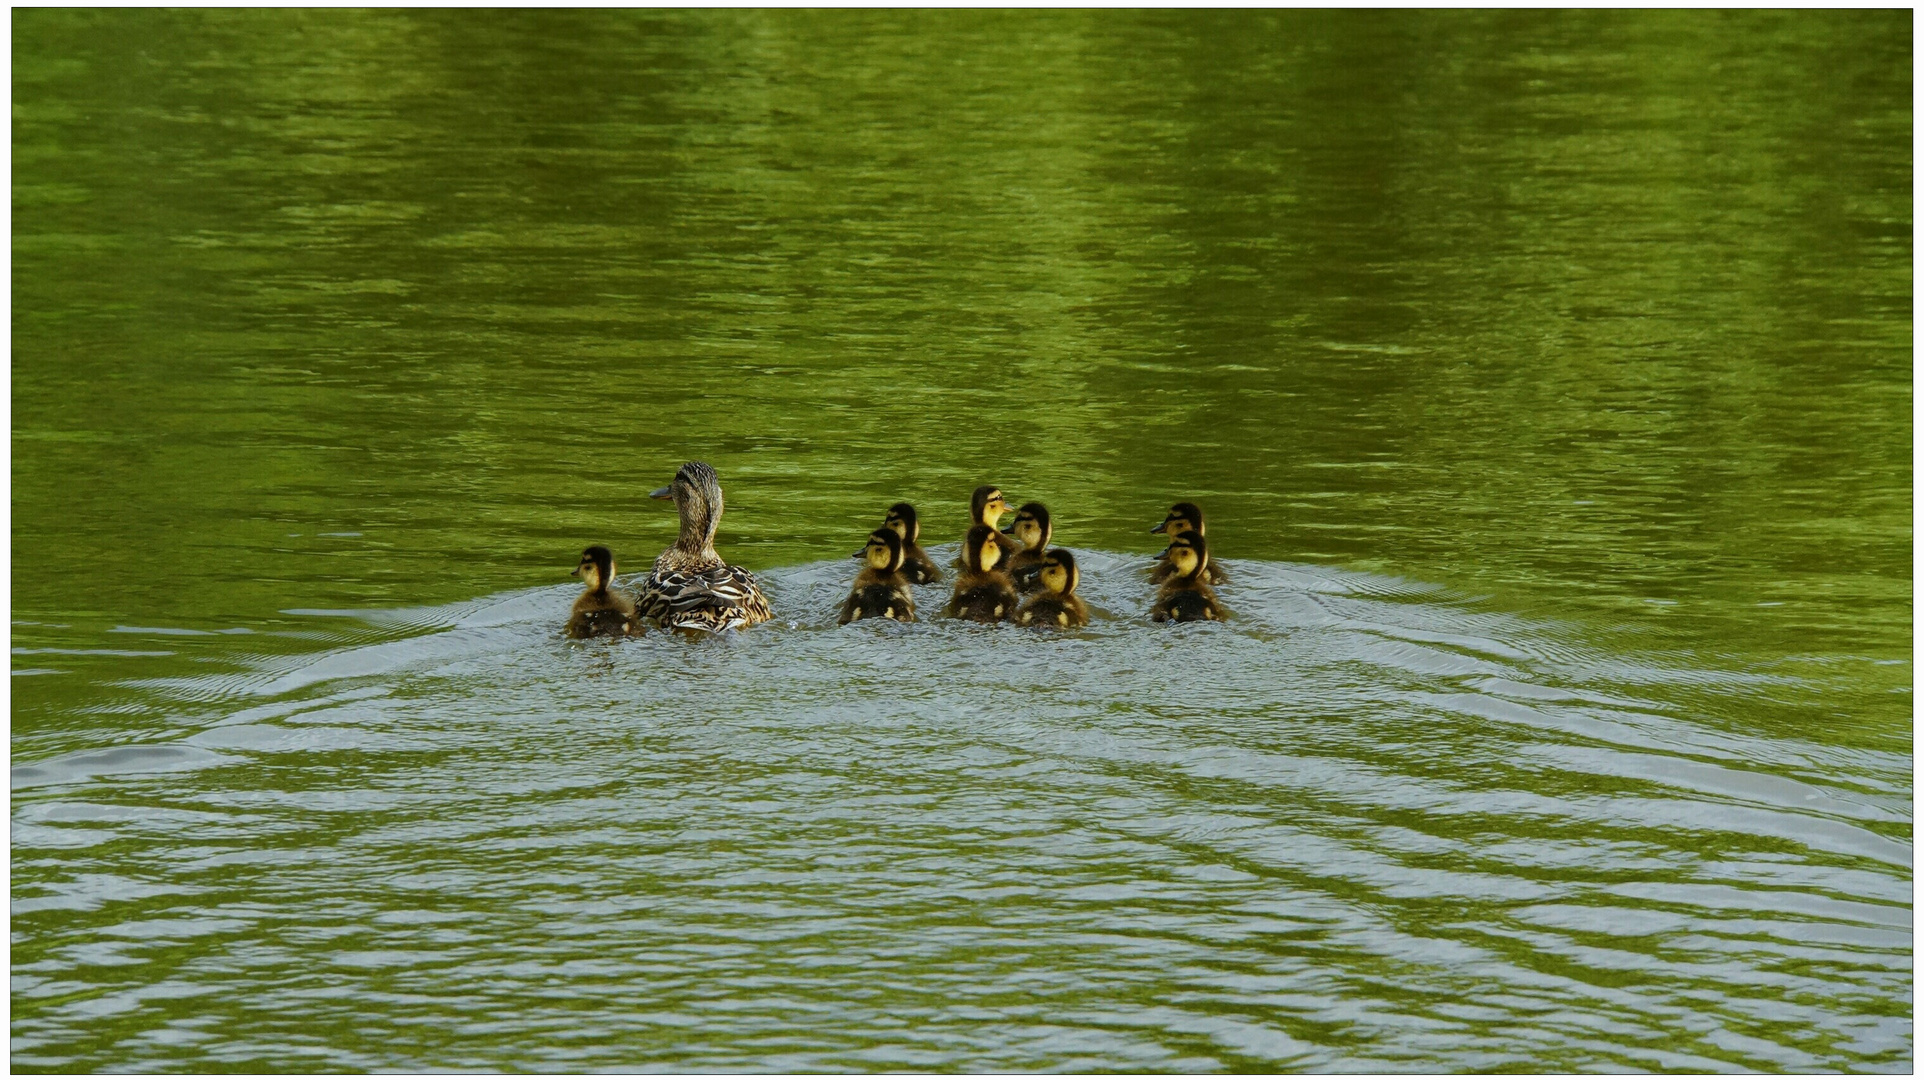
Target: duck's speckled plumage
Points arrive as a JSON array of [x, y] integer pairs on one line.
[[690, 587]]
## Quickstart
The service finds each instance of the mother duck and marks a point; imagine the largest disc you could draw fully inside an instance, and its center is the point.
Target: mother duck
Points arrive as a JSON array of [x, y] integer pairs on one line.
[[691, 588]]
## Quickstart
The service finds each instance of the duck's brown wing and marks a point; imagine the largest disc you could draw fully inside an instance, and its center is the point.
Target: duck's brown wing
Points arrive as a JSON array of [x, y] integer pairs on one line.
[[714, 598]]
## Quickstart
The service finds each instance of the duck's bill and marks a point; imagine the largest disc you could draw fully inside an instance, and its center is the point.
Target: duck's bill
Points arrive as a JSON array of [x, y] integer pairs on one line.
[[661, 493], [1010, 531], [859, 554], [1162, 528]]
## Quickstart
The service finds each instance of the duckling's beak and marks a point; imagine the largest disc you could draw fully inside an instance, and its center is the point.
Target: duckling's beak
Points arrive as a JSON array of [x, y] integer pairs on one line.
[[1010, 531], [860, 553], [1164, 553], [576, 572], [662, 493], [1162, 528]]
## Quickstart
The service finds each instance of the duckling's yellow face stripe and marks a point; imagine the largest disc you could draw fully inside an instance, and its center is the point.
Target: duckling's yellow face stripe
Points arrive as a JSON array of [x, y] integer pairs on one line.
[[993, 510], [590, 573], [878, 555], [900, 527], [1055, 578], [1184, 558], [1028, 531]]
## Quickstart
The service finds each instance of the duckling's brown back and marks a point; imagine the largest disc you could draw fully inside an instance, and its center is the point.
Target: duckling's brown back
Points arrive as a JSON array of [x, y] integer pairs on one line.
[[1055, 609], [982, 598]]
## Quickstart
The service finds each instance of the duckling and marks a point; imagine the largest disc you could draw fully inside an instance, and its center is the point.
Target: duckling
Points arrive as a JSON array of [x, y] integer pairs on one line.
[[880, 591], [691, 588], [986, 507], [1186, 597], [917, 567], [1184, 515], [1058, 605], [982, 592], [1032, 527], [602, 610]]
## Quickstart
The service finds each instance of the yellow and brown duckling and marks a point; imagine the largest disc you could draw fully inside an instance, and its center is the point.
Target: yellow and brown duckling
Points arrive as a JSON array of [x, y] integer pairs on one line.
[[1032, 528], [602, 610], [880, 591], [1184, 516], [983, 592], [1057, 604], [691, 588], [986, 507], [1186, 596], [917, 567]]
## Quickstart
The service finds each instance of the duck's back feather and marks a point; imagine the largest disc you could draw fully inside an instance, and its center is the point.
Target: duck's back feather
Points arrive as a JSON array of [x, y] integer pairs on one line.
[[713, 598]]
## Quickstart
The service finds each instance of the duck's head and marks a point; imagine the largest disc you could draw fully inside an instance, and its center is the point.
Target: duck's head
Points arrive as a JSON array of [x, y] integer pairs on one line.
[[1031, 526], [698, 496], [1183, 515], [986, 506], [883, 550], [901, 518], [1188, 553], [979, 549], [597, 567], [1059, 573]]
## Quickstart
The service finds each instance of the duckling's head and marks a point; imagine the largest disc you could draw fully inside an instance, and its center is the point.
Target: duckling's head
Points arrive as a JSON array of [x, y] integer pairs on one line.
[[698, 496], [901, 518], [1032, 526], [986, 506], [597, 567], [1188, 552], [979, 550], [883, 550], [1183, 515], [1059, 573]]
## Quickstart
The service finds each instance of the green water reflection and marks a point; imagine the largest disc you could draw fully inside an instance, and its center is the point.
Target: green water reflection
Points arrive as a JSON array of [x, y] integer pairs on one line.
[[1589, 305], [1603, 317]]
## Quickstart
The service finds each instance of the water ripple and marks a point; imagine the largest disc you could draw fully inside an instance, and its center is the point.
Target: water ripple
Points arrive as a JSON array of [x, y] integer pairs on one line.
[[1360, 826]]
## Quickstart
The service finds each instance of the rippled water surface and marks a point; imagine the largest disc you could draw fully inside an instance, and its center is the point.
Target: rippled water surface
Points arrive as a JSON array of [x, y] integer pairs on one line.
[[1546, 376]]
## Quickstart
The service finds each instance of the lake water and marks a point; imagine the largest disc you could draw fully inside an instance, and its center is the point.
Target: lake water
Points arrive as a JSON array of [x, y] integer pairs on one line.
[[1546, 376]]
